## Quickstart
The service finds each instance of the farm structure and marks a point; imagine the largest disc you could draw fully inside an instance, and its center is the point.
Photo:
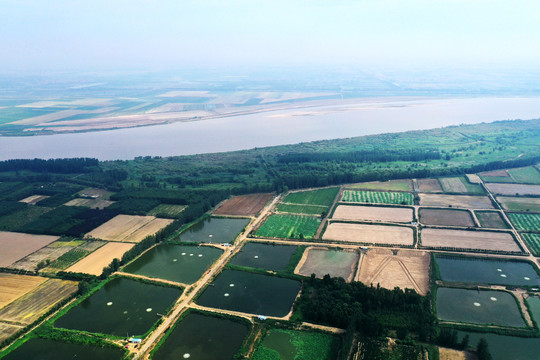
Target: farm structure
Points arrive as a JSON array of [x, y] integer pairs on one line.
[[373, 213], [369, 234], [129, 228], [244, 205], [475, 240]]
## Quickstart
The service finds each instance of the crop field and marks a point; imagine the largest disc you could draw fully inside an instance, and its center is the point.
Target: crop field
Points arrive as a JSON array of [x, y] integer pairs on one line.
[[90, 203], [95, 193], [525, 222], [373, 213], [520, 203], [167, 211], [460, 185], [95, 262], [28, 308], [34, 199], [491, 219], [313, 197], [449, 217], [451, 354], [6, 330], [498, 176], [322, 261], [390, 185], [15, 246], [13, 286], [289, 227], [473, 178], [378, 197], [17, 220], [245, 205], [429, 186], [406, 269], [74, 255], [533, 242], [463, 239], [369, 234], [31, 262], [514, 189], [458, 201], [302, 209], [526, 175], [129, 228]]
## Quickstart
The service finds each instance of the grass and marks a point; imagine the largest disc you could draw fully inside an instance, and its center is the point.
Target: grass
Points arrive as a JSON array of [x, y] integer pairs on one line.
[[289, 226], [313, 197], [533, 242], [167, 211], [526, 175], [392, 185], [376, 197], [302, 209], [295, 345], [17, 220], [519, 203], [526, 222]]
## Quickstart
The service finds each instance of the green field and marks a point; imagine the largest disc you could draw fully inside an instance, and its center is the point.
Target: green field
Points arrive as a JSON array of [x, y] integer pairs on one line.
[[302, 209], [376, 197], [280, 344], [533, 242], [460, 185], [72, 256], [520, 203], [525, 222], [527, 175], [313, 197], [16, 221], [391, 185], [289, 227], [167, 211]]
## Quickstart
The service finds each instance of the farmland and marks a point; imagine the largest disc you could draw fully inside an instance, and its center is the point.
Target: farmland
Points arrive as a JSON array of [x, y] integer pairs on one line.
[[369, 234], [17, 220], [7, 330], [460, 185], [129, 228], [491, 219], [34, 199], [525, 222], [13, 286], [95, 193], [514, 189], [463, 239], [390, 185], [167, 211], [289, 226], [526, 175], [15, 246], [313, 197], [74, 255], [302, 209], [322, 261], [32, 261], [449, 217], [533, 242], [89, 203], [377, 197], [459, 201], [373, 213], [245, 205], [95, 262], [520, 203], [429, 186], [406, 269]]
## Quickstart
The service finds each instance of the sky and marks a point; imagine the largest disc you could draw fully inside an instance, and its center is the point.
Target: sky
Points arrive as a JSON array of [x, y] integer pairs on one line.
[[138, 34]]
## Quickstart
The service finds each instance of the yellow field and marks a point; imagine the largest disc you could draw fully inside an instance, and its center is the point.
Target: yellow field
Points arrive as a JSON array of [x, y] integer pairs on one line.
[[373, 213], [129, 228], [95, 262], [369, 234], [34, 199], [6, 330], [451, 354], [13, 286]]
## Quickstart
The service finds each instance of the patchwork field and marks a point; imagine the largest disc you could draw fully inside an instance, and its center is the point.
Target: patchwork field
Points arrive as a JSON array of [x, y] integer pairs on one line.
[[513, 189], [28, 308], [90, 203], [34, 199], [378, 197], [463, 239], [129, 228], [245, 205], [322, 261], [533, 242], [167, 211], [13, 286], [302, 209], [445, 217], [526, 175], [459, 201], [95, 193], [369, 234], [390, 268], [48, 253], [390, 185], [74, 255], [429, 185], [460, 185], [491, 219], [15, 246], [520, 203], [95, 262], [373, 213], [313, 197], [496, 176], [525, 222], [289, 226]]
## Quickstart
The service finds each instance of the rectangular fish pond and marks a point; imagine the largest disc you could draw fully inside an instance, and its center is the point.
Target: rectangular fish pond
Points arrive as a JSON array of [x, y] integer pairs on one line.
[[486, 271], [214, 230], [121, 307], [202, 337], [504, 347], [251, 293], [478, 307], [296, 345], [183, 264], [264, 256], [45, 349]]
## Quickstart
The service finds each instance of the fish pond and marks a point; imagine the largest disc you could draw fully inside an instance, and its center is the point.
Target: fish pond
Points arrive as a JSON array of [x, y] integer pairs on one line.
[[45, 349], [251, 293], [486, 271], [478, 307], [214, 230], [183, 264], [264, 256], [504, 347], [202, 337], [337, 263], [295, 345], [122, 306]]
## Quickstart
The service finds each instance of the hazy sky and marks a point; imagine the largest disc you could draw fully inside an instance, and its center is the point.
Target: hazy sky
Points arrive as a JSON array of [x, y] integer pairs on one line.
[[53, 35]]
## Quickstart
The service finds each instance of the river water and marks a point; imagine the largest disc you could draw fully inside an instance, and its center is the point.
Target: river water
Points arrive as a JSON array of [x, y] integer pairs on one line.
[[271, 128]]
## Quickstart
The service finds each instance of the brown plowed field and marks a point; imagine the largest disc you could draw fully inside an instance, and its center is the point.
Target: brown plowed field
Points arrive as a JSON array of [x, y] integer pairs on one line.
[[408, 269], [7, 330], [95, 262], [28, 308], [513, 189], [458, 201], [463, 239], [245, 205], [34, 199], [369, 234], [429, 185], [373, 213], [13, 286], [129, 228], [446, 217], [15, 246]]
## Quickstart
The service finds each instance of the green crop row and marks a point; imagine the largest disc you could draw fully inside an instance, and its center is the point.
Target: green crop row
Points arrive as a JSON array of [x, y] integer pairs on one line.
[[289, 227], [526, 222], [378, 197], [533, 242]]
